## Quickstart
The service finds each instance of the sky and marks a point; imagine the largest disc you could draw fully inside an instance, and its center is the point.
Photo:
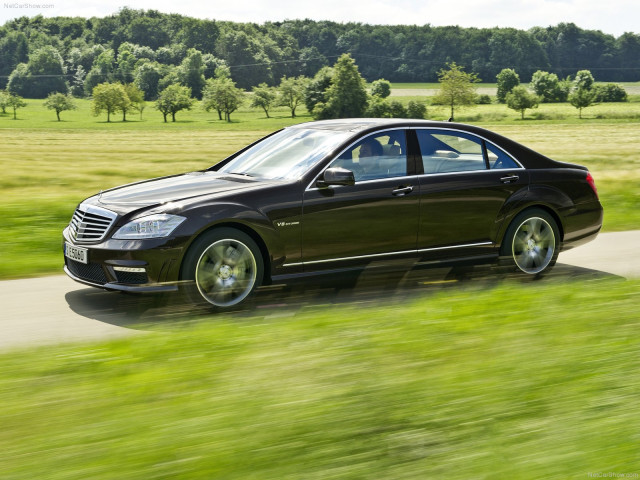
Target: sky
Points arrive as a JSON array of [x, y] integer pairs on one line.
[[610, 16]]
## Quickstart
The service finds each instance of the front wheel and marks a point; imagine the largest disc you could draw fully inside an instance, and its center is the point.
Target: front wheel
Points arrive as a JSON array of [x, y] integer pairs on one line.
[[226, 267], [531, 242]]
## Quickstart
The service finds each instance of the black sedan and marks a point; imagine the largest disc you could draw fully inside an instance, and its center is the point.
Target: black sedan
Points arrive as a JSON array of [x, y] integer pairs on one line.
[[332, 196]]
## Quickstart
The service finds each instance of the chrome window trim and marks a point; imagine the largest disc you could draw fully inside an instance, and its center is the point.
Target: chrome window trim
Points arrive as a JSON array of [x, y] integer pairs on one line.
[[374, 255], [310, 186], [359, 139], [422, 175]]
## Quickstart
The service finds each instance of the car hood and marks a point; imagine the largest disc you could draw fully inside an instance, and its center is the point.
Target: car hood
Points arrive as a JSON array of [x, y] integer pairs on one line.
[[173, 189]]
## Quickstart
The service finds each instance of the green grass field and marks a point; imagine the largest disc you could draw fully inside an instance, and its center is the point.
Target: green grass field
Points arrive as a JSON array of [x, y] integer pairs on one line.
[[544, 385], [49, 166], [514, 380]]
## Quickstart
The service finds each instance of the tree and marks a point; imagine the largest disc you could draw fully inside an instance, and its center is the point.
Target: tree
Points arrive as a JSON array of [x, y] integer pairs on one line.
[[147, 76], [60, 103], [210, 64], [291, 92], [16, 102], [4, 101], [43, 74], [582, 98], [191, 72], [456, 87], [136, 100], [14, 50], [263, 97], [101, 71], [381, 88], [173, 99], [584, 79], [77, 82], [126, 63], [507, 79], [316, 88], [347, 95], [109, 97], [221, 94], [520, 99], [549, 88]]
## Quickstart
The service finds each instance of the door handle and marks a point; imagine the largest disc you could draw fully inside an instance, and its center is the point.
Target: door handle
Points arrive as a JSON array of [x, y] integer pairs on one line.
[[400, 191], [509, 179]]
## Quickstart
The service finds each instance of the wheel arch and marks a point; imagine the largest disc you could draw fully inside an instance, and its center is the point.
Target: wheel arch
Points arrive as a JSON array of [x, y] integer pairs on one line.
[[532, 206], [266, 280]]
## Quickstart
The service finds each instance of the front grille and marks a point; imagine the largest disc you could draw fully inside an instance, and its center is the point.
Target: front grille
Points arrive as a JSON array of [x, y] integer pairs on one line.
[[90, 223], [91, 272]]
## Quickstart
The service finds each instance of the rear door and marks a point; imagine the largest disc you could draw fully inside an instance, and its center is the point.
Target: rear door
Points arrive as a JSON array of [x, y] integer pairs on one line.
[[465, 183]]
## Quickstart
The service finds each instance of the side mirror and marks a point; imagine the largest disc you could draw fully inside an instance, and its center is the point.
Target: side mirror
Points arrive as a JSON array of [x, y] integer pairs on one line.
[[336, 176]]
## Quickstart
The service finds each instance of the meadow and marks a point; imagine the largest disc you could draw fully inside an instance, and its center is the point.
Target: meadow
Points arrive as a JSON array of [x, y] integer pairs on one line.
[[545, 386], [454, 382], [49, 166]]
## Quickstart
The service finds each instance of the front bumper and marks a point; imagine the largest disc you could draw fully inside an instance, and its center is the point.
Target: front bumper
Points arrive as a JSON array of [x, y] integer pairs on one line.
[[149, 265]]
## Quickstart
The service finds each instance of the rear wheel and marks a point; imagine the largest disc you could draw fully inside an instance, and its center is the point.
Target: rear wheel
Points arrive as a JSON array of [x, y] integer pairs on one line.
[[531, 242], [226, 267]]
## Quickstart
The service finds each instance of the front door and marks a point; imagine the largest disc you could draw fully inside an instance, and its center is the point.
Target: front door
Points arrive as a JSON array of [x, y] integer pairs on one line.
[[376, 218]]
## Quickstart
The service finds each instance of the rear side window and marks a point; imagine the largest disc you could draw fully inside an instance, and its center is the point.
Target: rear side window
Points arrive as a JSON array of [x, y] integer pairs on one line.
[[447, 152], [498, 159]]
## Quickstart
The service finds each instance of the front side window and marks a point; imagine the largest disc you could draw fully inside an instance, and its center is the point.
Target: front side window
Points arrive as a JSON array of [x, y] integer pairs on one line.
[[447, 152], [381, 155], [286, 155]]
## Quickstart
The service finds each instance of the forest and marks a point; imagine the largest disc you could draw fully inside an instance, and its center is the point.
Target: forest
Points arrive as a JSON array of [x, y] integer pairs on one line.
[[71, 53]]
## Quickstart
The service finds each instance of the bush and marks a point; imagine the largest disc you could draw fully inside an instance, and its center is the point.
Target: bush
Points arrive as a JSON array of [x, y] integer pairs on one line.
[[397, 110], [416, 110], [484, 100], [611, 92], [381, 88], [378, 107]]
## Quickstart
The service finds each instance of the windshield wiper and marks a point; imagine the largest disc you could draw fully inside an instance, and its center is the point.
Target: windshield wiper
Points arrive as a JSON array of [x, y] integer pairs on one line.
[[244, 174]]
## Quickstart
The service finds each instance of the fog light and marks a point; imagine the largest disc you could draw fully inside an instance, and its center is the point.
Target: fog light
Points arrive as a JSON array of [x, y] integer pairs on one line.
[[129, 269]]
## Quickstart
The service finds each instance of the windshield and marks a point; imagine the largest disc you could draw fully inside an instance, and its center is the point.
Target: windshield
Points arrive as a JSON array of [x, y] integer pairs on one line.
[[285, 155]]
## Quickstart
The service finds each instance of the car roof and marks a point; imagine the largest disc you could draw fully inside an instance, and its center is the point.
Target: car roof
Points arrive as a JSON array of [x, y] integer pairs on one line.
[[528, 157], [357, 124]]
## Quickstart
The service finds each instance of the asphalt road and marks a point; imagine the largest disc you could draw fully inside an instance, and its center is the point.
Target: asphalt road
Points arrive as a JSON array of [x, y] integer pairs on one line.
[[55, 309]]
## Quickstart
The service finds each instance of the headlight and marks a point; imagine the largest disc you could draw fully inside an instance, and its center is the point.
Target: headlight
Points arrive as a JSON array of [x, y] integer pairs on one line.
[[152, 226]]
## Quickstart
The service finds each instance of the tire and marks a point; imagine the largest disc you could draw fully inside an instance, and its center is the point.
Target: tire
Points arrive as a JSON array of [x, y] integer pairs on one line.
[[531, 243], [226, 267]]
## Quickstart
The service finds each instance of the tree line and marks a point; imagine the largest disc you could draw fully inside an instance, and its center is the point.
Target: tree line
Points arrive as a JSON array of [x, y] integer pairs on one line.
[[40, 55], [334, 92], [339, 92]]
